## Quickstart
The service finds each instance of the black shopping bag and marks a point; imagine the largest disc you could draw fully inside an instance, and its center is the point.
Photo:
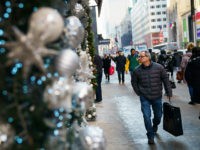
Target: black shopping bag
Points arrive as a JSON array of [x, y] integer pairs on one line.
[[172, 122]]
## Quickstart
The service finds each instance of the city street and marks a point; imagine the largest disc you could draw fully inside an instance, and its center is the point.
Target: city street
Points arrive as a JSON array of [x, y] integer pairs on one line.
[[120, 117]]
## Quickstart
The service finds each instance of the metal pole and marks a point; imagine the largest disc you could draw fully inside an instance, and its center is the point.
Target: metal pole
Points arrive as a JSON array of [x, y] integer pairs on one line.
[[192, 20]]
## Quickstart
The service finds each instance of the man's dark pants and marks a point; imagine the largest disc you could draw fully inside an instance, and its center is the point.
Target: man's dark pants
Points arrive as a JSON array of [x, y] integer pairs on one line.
[[146, 110]]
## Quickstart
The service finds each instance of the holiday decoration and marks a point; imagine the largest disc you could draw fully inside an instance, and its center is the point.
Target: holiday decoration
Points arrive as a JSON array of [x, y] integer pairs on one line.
[[84, 93], [47, 87], [74, 32], [59, 94], [46, 26], [90, 138], [67, 63], [85, 72], [91, 113], [6, 136]]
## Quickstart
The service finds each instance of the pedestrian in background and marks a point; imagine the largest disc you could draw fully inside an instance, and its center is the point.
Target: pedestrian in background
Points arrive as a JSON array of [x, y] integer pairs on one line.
[[184, 62], [132, 62], [147, 83], [192, 75], [106, 66], [120, 61], [99, 65]]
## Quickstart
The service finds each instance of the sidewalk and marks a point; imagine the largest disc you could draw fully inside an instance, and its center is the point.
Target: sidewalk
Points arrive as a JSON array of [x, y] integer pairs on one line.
[[120, 117]]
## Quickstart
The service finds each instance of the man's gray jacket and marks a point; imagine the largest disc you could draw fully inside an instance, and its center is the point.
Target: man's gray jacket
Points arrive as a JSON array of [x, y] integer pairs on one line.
[[147, 81]]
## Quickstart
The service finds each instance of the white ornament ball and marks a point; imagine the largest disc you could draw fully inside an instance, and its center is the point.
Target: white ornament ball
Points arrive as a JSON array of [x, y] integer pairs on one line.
[[6, 135], [67, 62], [74, 32], [92, 138], [85, 93], [46, 24]]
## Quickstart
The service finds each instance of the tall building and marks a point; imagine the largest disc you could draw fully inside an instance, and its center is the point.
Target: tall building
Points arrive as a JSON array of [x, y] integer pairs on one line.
[[126, 30], [149, 23]]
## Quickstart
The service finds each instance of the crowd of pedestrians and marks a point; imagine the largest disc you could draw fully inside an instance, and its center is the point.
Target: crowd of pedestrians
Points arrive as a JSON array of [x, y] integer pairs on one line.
[[148, 76]]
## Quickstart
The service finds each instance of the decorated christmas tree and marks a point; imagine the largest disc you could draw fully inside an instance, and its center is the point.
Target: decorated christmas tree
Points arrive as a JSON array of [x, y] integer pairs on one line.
[[46, 75]]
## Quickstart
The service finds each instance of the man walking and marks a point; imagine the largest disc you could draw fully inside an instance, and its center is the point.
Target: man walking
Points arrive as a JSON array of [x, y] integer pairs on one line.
[[132, 61], [147, 83], [120, 61]]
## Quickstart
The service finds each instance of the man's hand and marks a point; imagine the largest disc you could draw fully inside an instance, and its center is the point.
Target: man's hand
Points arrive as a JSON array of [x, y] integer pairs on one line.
[[126, 72]]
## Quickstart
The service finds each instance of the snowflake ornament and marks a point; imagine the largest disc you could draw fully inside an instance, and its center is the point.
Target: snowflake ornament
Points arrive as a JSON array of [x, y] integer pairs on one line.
[[45, 26]]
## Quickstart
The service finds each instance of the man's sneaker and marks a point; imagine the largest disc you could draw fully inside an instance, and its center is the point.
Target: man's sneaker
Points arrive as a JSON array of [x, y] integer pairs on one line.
[[155, 129], [151, 141]]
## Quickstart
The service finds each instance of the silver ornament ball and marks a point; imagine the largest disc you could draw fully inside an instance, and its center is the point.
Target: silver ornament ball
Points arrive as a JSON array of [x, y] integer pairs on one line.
[[74, 32], [46, 24], [67, 62]]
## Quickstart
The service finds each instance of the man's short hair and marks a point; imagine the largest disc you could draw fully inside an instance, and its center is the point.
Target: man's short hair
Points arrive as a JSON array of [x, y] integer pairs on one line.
[[132, 49], [147, 53]]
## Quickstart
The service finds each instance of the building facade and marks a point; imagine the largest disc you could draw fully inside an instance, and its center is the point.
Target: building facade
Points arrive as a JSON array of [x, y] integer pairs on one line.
[[149, 22]]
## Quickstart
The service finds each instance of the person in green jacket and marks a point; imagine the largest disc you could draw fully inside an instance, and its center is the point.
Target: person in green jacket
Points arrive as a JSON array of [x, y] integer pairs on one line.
[[132, 62]]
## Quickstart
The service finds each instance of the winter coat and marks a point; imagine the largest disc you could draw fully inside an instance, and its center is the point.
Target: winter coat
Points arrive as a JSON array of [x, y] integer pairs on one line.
[[98, 63], [106, 63], [120, 62], [184, 62], [147, 81], [192, 76], [133, 62]]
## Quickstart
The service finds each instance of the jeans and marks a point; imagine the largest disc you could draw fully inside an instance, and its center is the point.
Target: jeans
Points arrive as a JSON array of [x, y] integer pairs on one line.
[[146, 110], [121, 76], [190, 88], [98, 88]]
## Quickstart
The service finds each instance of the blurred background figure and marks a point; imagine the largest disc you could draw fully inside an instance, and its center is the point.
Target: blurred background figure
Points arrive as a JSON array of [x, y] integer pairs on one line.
[[132, 62], [120, 61], [106, 66], [99, 65], [185, 58], [192, 74], [153, 55]]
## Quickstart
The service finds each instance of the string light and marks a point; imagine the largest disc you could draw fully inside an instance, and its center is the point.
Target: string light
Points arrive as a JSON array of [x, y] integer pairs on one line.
[[1, 32], [2, 50], [21, 5]]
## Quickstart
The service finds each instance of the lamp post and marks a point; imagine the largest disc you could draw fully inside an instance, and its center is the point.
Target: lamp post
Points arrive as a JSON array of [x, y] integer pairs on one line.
[[192, 11]]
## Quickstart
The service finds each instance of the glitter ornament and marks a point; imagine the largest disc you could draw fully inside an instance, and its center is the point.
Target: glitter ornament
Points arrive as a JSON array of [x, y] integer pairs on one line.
[[46, 25], [74, 32], [59, 94], [67, 63], [90, 138], [84, 93], [6, 136]]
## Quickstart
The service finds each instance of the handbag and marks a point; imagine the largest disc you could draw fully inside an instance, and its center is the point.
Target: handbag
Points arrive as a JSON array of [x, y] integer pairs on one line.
[[172, 121], [111, 70], [179, 75]]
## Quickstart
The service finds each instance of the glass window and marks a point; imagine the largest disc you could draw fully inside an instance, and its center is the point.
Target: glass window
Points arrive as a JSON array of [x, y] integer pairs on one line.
[[153, 13], [157, 6], [158, 19], [158, 13], [164, 5]]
